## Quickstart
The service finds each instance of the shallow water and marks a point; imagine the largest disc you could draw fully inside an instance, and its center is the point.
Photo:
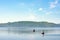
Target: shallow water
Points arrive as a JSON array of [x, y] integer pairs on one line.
[[13, 35]]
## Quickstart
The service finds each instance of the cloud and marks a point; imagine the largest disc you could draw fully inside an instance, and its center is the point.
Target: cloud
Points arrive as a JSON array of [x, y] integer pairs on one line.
[[53, 4], [48, 13], [30, 17], [40, 9], [54, 20]]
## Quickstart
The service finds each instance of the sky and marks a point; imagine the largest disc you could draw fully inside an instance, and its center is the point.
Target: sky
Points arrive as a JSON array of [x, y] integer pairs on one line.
[[29, 10]]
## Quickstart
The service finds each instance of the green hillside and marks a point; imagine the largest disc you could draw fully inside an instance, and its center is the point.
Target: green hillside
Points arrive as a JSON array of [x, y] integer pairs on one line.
[[29, 24]]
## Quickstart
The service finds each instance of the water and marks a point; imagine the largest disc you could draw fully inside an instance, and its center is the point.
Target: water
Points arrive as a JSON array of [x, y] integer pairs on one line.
[[27, 34]]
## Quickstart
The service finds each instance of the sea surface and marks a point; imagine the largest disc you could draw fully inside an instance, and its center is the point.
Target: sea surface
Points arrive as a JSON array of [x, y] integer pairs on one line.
[[9, 33]]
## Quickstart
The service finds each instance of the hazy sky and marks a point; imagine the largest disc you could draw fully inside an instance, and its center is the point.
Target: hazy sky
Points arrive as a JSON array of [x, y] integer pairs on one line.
[[29, 10]]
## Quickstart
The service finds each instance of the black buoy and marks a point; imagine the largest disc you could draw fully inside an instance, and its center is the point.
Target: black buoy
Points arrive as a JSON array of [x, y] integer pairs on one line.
[[33, 30], [43, 33]]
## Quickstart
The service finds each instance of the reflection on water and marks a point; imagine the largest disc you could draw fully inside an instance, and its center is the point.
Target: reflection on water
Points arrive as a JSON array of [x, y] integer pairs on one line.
[[28, 34]]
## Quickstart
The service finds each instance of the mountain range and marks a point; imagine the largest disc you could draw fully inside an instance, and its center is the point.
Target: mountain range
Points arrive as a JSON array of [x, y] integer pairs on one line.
[[29, 24]]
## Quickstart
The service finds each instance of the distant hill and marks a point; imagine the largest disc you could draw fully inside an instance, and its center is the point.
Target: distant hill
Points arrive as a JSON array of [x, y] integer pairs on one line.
[[29, 24]]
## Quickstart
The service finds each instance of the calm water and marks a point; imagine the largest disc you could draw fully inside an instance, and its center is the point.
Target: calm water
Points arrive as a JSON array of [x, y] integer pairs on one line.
[[27, 34]]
